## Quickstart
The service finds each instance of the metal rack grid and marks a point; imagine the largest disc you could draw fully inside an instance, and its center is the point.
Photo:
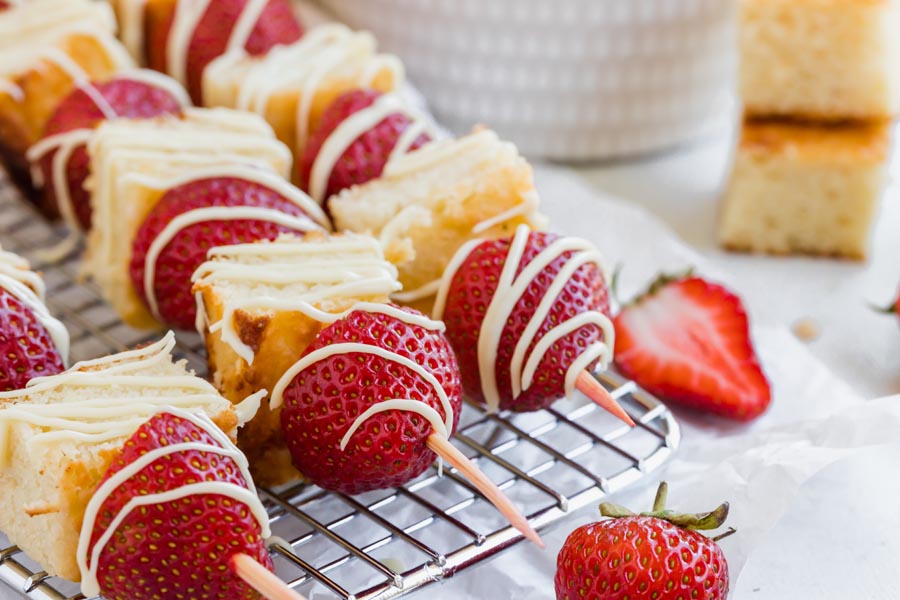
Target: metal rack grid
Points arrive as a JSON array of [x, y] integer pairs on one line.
[[382, 545]]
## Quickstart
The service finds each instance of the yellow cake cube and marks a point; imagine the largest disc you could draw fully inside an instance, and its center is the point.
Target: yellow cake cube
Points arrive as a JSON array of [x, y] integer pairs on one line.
[[805, 188]]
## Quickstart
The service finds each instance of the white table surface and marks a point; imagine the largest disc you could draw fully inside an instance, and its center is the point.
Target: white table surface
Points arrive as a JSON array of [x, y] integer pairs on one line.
[[840, 539]]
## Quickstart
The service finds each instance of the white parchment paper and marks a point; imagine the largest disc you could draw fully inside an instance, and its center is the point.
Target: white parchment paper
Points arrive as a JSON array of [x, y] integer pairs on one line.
[[815, 418]]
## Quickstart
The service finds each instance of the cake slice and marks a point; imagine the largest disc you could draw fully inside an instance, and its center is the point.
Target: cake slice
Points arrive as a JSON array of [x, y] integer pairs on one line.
[[429, 202], [820, 59], [262, 304], [805, 188], [134, 162], [292, 85], [46, 48], [59, 436]]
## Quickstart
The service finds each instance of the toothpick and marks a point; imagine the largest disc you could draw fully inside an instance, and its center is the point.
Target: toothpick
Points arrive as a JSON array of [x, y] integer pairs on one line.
[[443, 448], [261, 579], [588, 385]]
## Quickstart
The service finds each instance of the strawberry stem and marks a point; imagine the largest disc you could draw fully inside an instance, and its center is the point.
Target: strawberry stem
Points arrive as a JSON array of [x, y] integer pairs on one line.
[[662, 493], [694, 521], [887, 310]]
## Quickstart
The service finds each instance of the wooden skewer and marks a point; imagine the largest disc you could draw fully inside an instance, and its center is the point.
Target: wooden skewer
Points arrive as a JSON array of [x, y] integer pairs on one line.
[[443, 448], [588, 385], [261, 579]]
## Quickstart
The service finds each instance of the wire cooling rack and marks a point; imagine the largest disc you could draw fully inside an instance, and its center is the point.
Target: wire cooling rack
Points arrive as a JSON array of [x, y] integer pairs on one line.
[[382, 545]]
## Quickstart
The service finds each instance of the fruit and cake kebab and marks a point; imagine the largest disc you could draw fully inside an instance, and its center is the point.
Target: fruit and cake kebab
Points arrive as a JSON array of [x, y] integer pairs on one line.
[[373, 400], [182, 37], [428, 203], [658, 554], [528, 317], [59, 161], [688, 340], [84, 453], [292, 86], [61, 433], [260, 306], [359, 135], [167, 189], [32, 342], [47, 48], [207, 537]]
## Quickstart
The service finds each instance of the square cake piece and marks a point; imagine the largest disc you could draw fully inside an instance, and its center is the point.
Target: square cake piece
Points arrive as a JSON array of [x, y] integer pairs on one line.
[[262, 304], [134, 162], [292, 85], [805, 188], [60, 434], [820, 59], [430, 202]]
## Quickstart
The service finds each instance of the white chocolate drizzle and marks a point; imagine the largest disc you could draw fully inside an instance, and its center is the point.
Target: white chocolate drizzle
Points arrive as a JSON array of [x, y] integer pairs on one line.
[[304, 274], [88, 557], [442, 427], [349, 130], [509, 290], [184, 23], [203, 215], [307, 64], [94, 419], [29, 289]]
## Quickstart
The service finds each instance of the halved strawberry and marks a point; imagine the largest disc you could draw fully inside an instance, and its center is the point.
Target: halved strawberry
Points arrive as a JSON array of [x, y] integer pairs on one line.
[[277, 24], [179, 547], [26, 347], [187, 250], [323, 400], [473, 289], [366, 157], [688, 340], [127, 98]]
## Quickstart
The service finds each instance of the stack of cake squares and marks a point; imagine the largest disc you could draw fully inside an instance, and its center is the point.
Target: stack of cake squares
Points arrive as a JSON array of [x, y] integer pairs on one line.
[[820, 82]]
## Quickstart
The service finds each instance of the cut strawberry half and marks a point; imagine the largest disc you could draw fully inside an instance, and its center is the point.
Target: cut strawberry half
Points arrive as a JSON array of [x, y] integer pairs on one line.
[[688, 340]]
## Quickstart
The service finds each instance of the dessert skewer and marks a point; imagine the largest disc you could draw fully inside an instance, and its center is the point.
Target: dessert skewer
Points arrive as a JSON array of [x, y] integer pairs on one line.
[[430, 202], [528, 316], [136, 164], [110, 438], [260, 305], [373, 400]]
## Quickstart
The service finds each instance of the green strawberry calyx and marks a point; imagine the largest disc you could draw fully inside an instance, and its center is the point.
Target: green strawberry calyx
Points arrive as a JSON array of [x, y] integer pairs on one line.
[[705, 521]]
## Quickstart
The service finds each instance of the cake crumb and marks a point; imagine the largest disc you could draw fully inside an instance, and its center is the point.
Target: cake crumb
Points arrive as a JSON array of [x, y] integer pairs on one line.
[[806, 329]]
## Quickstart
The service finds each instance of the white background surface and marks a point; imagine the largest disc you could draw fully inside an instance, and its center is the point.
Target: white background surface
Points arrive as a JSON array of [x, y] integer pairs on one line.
[[840, 538]]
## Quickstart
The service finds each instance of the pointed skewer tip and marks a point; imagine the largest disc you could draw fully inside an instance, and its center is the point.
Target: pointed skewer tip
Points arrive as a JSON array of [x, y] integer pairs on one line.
[[447, 451], [588, 385]]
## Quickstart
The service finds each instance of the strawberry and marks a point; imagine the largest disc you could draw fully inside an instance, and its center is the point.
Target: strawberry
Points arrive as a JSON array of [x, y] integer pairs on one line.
[[127, 98], [688, 340], [472, 290], [26, 346], [367, 156], [178, 548], [277, 24], [183, 254], [322, 401], [657, 555]]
